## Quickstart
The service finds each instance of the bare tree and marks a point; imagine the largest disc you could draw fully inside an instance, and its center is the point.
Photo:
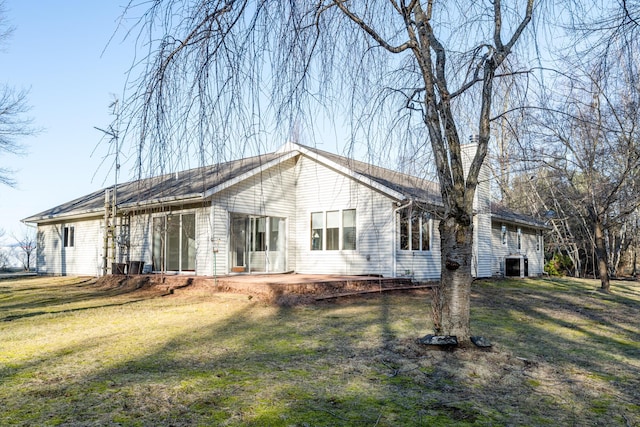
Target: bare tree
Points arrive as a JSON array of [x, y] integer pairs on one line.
[[219, 71], [26, 246], [594, 150], [13, 106]]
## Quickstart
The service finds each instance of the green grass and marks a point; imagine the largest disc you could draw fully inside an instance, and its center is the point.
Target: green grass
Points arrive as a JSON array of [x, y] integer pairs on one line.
[[72, 353]]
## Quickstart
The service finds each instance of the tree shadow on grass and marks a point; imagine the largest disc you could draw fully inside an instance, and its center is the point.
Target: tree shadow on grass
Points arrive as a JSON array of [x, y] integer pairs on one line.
[[580, 348], [27, 297], [350, 362]]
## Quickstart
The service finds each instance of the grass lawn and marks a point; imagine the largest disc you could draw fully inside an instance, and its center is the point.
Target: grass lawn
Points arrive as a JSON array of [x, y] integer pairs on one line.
[[76, 354]]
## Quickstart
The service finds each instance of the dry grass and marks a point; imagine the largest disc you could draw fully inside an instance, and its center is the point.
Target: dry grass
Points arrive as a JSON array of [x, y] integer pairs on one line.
[[73, 353]]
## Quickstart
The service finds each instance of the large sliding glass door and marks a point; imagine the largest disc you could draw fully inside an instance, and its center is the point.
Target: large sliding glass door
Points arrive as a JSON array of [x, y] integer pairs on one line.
[[174, 242], [258, 244]]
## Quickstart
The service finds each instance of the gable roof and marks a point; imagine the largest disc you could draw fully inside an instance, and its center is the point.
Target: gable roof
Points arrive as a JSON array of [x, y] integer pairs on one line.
[[198, 184], [185, 186]]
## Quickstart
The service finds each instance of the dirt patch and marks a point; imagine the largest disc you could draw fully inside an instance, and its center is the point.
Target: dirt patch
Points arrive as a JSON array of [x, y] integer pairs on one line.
[[282, 290]]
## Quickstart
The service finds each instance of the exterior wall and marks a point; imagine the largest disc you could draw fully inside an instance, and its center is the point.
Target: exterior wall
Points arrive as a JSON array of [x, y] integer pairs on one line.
[[482, 243], [320, 189], [83, 258], [482, 246], [141, 239], [271, 193], [531, 247], [420, 265]]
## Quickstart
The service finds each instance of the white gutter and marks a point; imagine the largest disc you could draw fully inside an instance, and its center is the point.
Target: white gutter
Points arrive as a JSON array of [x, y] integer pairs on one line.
[[395, 233]]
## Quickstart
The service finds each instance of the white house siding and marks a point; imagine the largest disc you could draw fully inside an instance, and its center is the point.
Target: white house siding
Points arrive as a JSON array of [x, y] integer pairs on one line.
[[482, 246], [420, 265], [481, 264], [83, 258], [204, 245], [220, 234], [49, 253], [321, 189], [270, 193], [531, 247], [140, 238]]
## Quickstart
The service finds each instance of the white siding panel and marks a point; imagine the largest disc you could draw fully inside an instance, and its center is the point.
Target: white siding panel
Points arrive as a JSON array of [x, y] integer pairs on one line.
[[529, 248], [482, 246], [204, 245], [320, 189], [421, 265], [141, 237], [83, 258], [48, 259], [271, 193]]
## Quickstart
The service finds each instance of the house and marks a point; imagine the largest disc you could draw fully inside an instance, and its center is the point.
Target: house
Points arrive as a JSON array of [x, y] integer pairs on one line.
[[298, 209]]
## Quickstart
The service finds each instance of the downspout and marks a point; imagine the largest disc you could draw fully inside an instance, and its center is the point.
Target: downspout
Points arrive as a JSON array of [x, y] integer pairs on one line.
[[395, 233]]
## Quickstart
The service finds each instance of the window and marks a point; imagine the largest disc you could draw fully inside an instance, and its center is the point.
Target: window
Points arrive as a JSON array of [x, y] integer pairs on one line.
[[68, 237], [349, 229], [274, 236], [538, 241], [332, 228], [174, 242], [317, 230], [425, 235], [415, 230], [519, 238], [258, 235], [504, 234]]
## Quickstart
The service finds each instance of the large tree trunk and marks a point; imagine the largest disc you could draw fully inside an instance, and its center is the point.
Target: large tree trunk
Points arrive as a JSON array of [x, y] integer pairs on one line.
[[601, 255], [452, 307]]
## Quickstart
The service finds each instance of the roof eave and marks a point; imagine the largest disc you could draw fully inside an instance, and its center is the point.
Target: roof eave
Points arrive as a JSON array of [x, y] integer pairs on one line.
[[88, 213]]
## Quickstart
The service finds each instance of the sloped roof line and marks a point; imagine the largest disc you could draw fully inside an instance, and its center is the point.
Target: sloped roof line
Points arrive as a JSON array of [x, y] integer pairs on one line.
[[172, 187], [246, 175], [182, 186], [396, 184]]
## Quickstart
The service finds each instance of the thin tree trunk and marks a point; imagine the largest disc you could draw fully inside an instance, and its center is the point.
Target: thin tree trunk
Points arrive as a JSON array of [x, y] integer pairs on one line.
[[601, 256]]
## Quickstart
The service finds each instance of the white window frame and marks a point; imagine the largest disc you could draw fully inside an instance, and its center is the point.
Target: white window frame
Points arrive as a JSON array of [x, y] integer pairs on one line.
[[69, 236], [322, 235], [421, 217]]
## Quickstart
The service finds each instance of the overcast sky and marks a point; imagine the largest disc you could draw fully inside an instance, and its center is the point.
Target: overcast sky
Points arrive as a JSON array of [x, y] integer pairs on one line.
[[56, 52]]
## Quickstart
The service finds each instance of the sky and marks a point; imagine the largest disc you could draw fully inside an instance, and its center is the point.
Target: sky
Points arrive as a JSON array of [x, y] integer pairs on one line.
[[62, 52]]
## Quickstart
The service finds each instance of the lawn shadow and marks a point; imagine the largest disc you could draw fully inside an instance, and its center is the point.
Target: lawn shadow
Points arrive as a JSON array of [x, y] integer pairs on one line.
[[227, 360], [28, 297]]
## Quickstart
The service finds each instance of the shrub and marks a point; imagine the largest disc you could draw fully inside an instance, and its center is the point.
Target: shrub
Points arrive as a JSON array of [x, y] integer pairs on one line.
[[558, 265]]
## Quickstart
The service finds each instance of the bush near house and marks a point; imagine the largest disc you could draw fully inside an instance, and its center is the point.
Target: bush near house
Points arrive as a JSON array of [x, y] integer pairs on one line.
[[558, 265]]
